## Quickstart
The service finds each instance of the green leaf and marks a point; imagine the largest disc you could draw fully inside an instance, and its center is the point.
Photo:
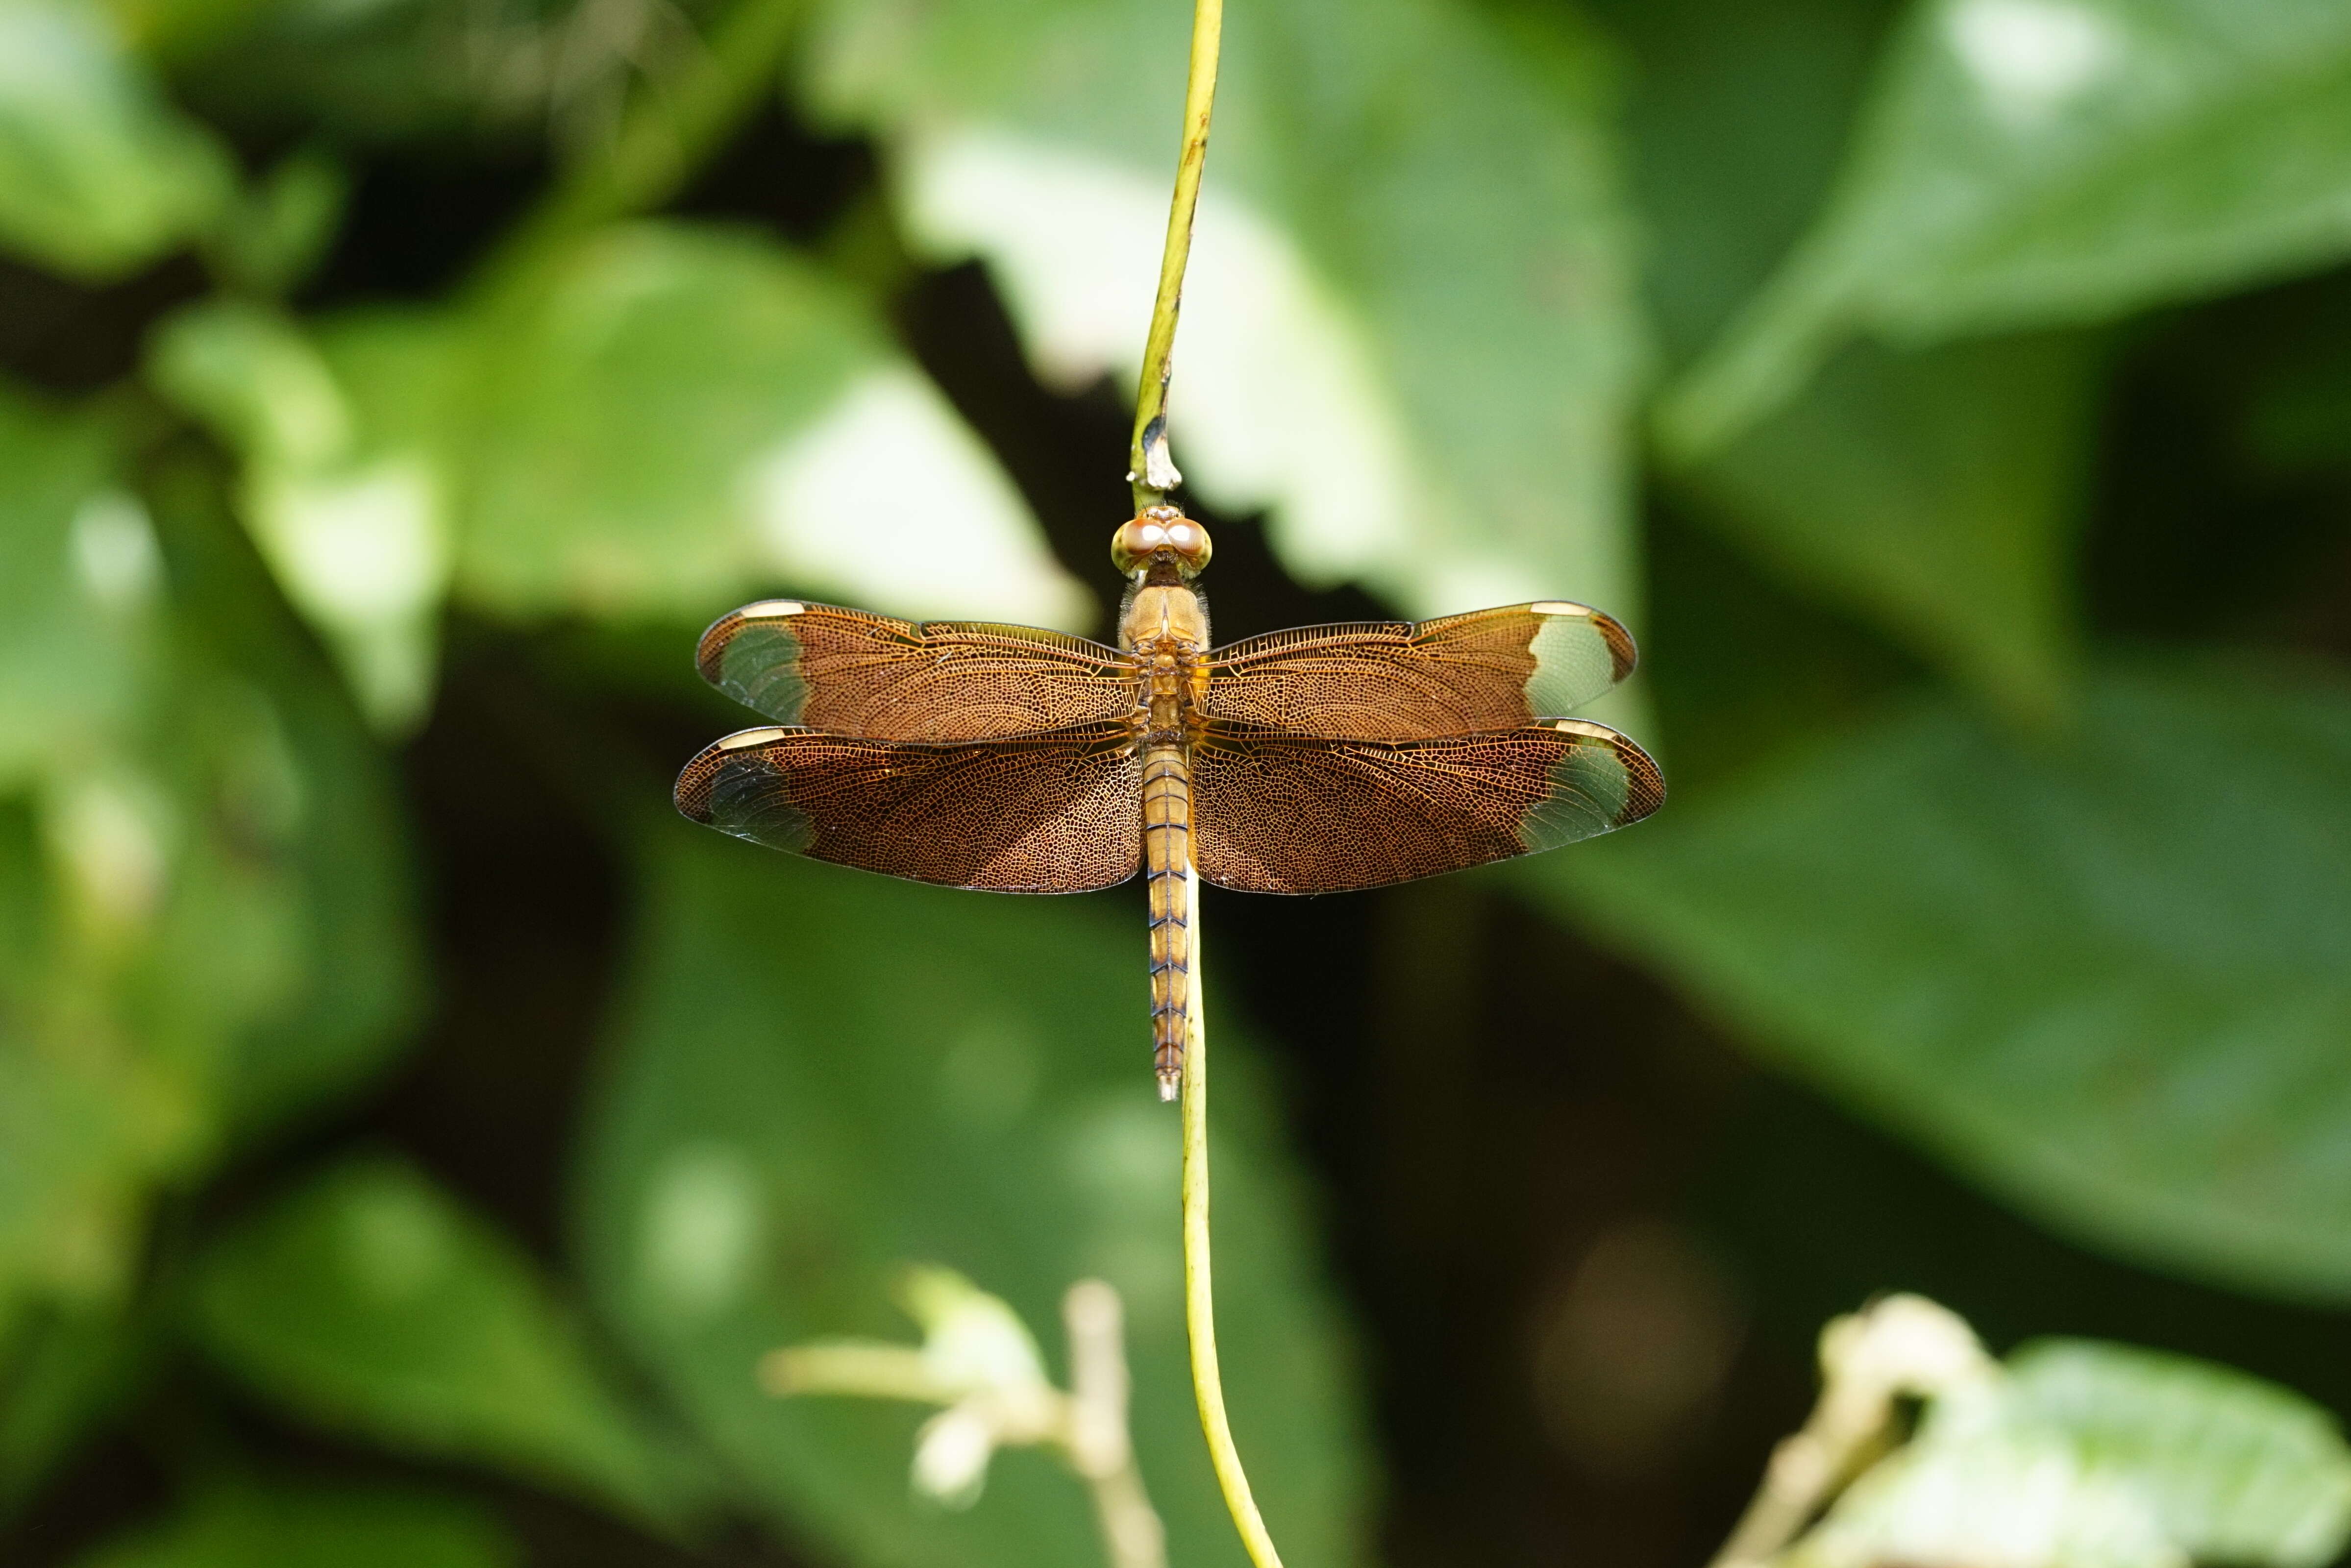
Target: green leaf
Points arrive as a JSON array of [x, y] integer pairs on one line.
[[1935, 493], [1409, 330], [371, 1304], [2237, 1470], [243, 1526], [669, 415], [97, 175], [1988, 1493], [87, 1116], [1932, 493], [2028, 164], [2101, 1456], [1735, 118], [2108, 974], [89, 1119], [300, 776], [661, 421], [200, 878], [343, 491], [218, 917], [384, 72], [279, 231], [78, 566], [823, 1077]]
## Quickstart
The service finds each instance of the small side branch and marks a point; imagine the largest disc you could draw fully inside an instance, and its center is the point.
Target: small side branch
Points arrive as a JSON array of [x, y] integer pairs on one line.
[[1902, 1346], [1200, 1292], [1000, 1397], [1149, 466], [1098, 1445]]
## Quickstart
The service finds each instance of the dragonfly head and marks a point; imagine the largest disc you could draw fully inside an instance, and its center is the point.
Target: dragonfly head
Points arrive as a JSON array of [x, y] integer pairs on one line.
[[1160, 533]]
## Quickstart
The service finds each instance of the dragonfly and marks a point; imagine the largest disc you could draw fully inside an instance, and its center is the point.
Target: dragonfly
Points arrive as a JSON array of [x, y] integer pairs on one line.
[[1017, 760]]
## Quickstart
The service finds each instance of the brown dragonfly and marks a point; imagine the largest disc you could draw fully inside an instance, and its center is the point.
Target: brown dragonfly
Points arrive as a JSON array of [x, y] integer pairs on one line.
[[1017, 760]]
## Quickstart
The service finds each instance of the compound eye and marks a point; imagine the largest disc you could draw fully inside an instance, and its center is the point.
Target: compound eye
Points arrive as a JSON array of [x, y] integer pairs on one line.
[[1128, 551], [1161, 530], [1189, 540]]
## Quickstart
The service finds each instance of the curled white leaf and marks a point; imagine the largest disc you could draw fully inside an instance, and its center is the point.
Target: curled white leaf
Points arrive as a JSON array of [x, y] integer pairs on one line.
[[951, 1455]]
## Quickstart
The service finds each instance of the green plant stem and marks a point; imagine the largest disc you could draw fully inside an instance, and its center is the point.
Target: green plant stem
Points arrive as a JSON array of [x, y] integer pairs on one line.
[[671, 128], [1149, 467], [1199, 1291], [1153, 473]]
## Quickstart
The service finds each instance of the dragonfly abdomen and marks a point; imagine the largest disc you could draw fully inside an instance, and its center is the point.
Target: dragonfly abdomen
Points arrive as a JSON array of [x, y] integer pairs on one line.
[[1166, 855]]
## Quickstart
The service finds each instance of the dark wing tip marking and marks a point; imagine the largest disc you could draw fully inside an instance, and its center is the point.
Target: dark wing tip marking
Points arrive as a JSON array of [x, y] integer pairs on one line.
[[691, 794], [1621, 648], [717, 773], [695, 782], [1639, 788]]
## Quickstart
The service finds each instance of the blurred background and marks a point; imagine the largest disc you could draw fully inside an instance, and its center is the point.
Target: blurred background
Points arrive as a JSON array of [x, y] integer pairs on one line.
[[412, 1133]]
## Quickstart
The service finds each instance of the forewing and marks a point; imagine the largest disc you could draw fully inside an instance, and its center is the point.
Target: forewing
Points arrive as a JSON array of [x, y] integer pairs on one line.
[[1274, 813], [1465, 674], [1044, 813], [854, 673]]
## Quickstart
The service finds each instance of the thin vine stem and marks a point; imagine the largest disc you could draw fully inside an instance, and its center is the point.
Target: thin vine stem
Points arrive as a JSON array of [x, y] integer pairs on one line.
[[1199, 1290], [1153, 473], [1149, 467]]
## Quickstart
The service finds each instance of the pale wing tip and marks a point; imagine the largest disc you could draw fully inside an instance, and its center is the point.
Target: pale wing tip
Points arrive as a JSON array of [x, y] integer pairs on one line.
[[710, 651], [1623, 655], [698, 781]]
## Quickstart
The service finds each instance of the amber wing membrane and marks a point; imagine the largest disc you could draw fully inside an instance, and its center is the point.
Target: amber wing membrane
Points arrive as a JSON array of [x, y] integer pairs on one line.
[[1274, 813], [1044, 813], [856, 674], [1465, 674]]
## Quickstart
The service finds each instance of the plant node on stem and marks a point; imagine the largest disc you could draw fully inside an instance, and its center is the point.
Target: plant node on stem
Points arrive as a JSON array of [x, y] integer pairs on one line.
[[1150, 468]]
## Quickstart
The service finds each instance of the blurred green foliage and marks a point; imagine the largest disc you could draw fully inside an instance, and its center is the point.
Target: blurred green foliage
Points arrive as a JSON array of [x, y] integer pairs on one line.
[[236, 1525], [1796, 332], [2102, 1455], [2048, 955], [370, 1303], [748, 1179]]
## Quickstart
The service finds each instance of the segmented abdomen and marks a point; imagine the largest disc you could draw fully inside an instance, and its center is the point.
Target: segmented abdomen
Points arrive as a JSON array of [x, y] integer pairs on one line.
[[1166, 853]]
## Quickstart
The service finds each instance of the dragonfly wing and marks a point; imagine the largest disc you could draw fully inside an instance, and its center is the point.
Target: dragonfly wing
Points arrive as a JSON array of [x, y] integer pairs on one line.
[[1042, 813], [857, 673], [1465, 674], [1274, 813]]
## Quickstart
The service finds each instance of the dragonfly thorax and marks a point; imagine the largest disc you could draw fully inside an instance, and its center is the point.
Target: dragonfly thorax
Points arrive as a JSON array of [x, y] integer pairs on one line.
[[1170, 617], [1166, 627]]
